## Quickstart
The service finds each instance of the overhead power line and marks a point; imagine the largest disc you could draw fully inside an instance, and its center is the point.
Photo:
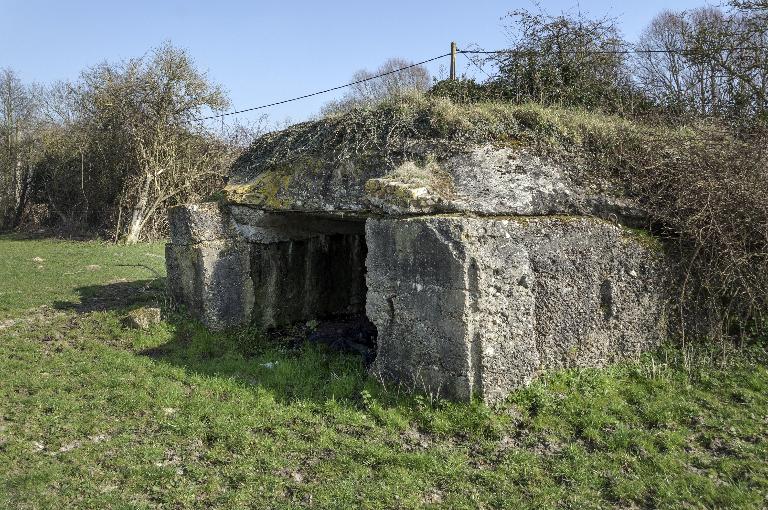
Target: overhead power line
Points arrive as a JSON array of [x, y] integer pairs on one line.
[[680, 51], [479, 67], [235, 112]]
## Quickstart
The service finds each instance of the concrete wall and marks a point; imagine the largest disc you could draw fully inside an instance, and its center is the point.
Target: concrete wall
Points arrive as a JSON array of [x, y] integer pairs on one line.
[[479, 306], [234, 265], [464, 306]]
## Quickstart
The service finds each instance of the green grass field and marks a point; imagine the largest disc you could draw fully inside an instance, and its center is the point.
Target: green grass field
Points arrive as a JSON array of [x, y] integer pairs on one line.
[[94, 414]]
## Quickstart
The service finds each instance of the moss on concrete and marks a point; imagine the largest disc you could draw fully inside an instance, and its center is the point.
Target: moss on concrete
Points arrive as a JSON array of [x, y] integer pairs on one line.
[[412, 184], [266, 190], [644, 238]]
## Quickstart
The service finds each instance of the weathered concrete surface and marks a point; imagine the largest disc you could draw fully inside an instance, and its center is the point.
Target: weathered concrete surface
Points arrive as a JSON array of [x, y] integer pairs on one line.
[[212, 280], [235, 265], [479, 306], [479, 271], [486, 180], [213, 221], [303, 188], [198, 223]]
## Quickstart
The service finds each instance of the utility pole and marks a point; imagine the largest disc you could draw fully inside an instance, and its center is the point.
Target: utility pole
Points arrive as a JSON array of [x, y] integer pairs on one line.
[[453, 60]]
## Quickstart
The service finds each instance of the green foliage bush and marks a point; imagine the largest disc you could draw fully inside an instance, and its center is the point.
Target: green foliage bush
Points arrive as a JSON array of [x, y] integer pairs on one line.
[[467, 90]]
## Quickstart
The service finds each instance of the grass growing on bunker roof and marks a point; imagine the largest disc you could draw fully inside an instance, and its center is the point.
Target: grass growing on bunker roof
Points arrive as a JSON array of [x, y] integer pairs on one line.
[[417, 127]]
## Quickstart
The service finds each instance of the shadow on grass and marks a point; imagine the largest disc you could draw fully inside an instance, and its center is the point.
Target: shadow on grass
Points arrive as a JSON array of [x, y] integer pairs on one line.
[[281, 362], [118, 296], [286, 363], [51, 234]]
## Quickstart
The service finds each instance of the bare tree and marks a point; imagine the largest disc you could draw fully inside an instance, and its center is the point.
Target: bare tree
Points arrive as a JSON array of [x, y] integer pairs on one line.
[[757, 6], [370, 90], [18, 110], [746, 63], [661, 68], [150, 105], [707, 62]]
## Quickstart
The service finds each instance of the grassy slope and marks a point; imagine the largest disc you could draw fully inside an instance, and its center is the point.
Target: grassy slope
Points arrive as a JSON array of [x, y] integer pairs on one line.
[[93, 414]]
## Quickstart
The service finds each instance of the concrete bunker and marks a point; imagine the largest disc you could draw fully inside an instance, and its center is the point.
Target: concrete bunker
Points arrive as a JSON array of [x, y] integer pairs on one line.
[[479, 272], [234, 265]]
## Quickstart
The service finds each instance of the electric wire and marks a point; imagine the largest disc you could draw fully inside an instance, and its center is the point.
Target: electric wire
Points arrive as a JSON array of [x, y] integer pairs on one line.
[[235, 112], [680, 51]]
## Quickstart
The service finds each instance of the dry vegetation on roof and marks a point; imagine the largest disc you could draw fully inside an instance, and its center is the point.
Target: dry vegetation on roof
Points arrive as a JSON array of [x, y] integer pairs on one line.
[[416, 127], [706, 191]]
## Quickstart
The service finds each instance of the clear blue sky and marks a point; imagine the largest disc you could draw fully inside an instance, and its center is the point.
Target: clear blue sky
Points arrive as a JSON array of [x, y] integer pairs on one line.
[[267, 51]]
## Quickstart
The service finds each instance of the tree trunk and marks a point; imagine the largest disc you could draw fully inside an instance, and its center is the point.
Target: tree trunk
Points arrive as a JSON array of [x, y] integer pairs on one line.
[[139, 212], [22, 193]]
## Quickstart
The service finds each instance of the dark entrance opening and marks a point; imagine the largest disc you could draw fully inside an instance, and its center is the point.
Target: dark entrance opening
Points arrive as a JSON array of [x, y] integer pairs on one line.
[[313, 271]]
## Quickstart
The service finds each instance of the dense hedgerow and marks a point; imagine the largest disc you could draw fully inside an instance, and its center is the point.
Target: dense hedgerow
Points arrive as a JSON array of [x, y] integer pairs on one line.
[[705, 190]]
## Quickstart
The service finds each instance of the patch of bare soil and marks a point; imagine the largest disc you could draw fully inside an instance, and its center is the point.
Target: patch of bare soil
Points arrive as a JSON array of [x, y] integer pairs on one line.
[[31, 316]]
